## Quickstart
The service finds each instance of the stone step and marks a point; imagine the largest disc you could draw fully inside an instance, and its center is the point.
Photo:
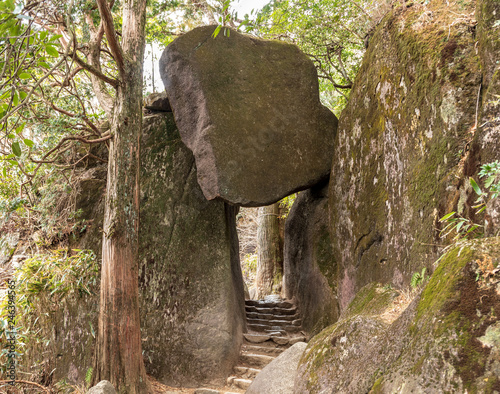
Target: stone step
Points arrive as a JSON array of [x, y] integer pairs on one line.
[[257, 338], [255, 360], [269, 304], [294, 340], [270, 350], [281, 340], [246, 372], [274, 332], [271, 328], [273, 311], [271, 316], [275, 323], [242, 383]]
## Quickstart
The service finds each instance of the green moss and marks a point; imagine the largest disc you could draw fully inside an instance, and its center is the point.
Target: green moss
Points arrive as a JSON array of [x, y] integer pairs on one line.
[[442, 284], [325, 258], [377, 387], [371, 300]]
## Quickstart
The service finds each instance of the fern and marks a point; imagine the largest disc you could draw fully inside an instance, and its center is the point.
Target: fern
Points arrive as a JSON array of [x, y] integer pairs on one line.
[[88, 376]]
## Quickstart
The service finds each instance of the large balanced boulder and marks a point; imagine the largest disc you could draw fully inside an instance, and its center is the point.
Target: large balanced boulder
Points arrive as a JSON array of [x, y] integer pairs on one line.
[[249, 110], [310, 272], [402, 158]]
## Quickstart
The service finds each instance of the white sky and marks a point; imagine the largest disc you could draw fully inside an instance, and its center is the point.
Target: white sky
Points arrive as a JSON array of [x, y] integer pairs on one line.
[[242, 7], [245, 6]]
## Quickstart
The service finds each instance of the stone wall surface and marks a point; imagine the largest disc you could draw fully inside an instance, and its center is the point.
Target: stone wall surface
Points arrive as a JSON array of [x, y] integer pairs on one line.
[[190, 278], [310, 272], [487, 139], [402, 156], [446, 340]]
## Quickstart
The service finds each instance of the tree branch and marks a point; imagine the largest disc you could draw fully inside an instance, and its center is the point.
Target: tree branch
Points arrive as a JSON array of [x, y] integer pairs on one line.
[[109, 29], [94, 71]]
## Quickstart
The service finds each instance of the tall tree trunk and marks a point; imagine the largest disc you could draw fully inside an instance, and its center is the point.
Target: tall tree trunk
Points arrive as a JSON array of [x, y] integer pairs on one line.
[[119, 351], [269, 252]]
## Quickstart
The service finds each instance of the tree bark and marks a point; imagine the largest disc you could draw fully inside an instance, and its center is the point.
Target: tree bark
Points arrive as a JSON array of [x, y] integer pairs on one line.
[[269, 252], [119, 350]]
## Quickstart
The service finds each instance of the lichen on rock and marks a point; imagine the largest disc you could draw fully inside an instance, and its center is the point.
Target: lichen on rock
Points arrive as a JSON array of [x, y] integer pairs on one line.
[[400, 145]]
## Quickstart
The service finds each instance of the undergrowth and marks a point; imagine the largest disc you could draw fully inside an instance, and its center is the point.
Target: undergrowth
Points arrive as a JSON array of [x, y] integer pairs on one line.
[[42, 283]]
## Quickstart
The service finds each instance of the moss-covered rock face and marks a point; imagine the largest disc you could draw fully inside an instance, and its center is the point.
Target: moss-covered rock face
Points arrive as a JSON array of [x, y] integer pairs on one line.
[[249, 110], [334, 360], [447, 340], [190, 278], [487, 139], [310, 272], [398, 161], [191, 286]]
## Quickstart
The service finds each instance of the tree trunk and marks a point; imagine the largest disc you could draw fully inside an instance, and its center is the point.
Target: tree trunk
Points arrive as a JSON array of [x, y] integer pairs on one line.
[[270, 254], [119, 351]]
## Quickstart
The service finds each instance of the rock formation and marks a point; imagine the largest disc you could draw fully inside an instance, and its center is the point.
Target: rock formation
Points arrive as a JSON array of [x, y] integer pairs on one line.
[[401, 150], [310, 272], [191, 286], [445, 341], [192, 302], [249, 110]]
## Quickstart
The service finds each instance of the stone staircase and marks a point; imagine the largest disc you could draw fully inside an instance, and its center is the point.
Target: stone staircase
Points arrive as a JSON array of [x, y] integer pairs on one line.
[[273, 326]]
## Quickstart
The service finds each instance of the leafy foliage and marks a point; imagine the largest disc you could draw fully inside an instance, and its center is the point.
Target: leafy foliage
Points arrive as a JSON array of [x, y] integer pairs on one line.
[[418, 278], [43, 282], [464, 227], [331, 32]]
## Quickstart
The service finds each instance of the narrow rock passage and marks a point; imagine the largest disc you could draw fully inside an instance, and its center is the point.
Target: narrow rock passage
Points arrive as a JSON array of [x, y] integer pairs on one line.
[[274, 325]]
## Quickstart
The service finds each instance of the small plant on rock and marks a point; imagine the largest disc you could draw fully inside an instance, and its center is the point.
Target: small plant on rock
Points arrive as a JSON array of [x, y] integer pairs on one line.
[[418, 278], [464, 227]]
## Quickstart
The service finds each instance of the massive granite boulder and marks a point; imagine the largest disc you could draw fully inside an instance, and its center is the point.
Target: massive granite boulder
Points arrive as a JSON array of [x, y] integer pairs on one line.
[[191, 298], [310, 273], [402, 157], [249, 110], [446, 340]]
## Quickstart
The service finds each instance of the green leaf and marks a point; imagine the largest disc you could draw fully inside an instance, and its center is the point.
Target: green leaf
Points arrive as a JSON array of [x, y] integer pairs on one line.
[[16, 149], [445, 217], [23, 95], [51, 51], [24, 76], [28, 143], [43, 34], [55, 37], [475, 186], [44, 64], [10, 5], [5, 172], [216, 31], [489, 181], [15, 98]]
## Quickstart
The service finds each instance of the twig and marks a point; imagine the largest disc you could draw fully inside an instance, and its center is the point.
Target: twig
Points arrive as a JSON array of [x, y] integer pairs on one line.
[[47, 390]]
